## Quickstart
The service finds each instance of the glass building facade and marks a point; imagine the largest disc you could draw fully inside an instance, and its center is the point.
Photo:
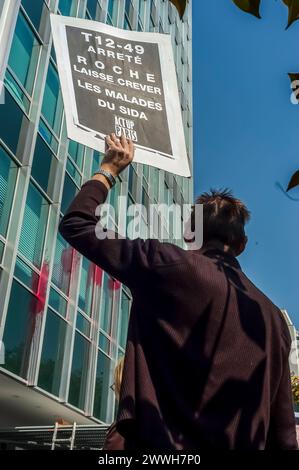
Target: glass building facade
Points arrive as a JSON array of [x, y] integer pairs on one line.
[[63, 320]]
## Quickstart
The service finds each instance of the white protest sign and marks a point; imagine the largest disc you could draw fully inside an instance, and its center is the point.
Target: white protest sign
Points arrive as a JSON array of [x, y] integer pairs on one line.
[[121, 81]]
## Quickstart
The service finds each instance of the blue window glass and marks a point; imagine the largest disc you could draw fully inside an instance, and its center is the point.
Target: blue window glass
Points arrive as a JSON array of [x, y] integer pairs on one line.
[[19, 330], [44, 166], [34, 10], [110, 8], [106, 304], [34, 226], [48, 136], [24, 53], [26, 275], [65, 7], [82, 324], [63, 265], [92, 6], [52, 107], [80, 367], [8, 173], [57, 302], [86, 286], [127, 24], [69, 192], [13, 135], [72, 170], [96, 161], [104, 343], [76, 152], [52, 353], [16, 91], [102, 386]]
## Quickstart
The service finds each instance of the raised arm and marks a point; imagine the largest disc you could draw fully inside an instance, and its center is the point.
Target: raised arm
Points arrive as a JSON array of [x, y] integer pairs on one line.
[[129, 261]]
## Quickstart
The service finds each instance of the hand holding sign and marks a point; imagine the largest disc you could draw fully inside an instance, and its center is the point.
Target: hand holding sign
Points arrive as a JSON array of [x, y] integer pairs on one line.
[[119, 154]]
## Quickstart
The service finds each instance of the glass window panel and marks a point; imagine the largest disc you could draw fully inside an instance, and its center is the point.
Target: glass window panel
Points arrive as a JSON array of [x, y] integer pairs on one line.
[[57, 302], [76, 151], [65, 7], [34, 10], [13, 135], [102, 386], [106, 304], [20, 326], [80, 367], [104, 343], [110, 8], [48, 136], [8, 174], [63, 264], [92, 6], [124, 319], [82, 324], [52, 107], [26, 274], [52, 353], [127, 25], [24, 53], [69, 192], [44, 166], [86, 286], [72, 170], [96, 161], [16, 90], [34, 226]]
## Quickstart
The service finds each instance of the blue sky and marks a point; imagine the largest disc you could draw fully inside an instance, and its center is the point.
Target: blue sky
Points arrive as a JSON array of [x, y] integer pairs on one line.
[[246, 132]]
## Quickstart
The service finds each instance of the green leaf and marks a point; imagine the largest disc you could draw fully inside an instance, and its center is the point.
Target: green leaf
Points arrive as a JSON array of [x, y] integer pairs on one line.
[[180, 6], [293, 6], [294, 181], [249, 6]]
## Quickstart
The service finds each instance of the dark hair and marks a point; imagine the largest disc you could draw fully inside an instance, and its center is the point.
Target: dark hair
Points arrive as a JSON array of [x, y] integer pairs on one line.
[[224, 218]]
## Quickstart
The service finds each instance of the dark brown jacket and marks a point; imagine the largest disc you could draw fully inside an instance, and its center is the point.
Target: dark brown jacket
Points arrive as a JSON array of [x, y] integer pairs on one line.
[[207, 354]]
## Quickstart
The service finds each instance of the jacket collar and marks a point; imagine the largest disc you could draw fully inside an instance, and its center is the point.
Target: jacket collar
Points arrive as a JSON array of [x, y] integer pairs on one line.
[[224, 256]]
